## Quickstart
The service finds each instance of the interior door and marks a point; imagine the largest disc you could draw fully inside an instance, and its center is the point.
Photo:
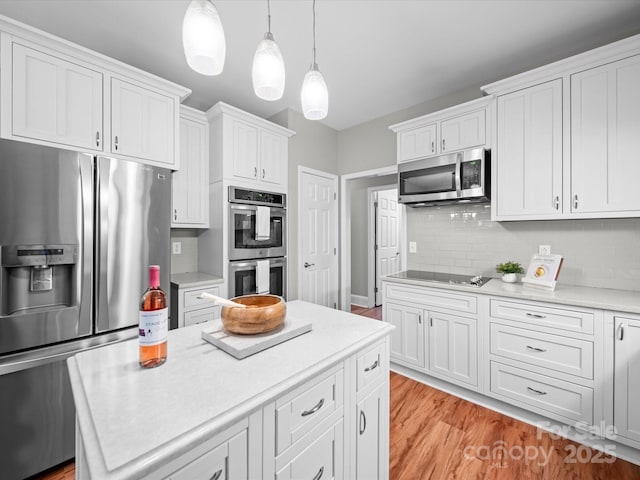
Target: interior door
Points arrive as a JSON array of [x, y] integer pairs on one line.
[[387, 227], [318, 238]]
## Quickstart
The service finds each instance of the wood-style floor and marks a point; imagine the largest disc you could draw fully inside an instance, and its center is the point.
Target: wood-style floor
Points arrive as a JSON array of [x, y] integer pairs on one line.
[[437, 436]]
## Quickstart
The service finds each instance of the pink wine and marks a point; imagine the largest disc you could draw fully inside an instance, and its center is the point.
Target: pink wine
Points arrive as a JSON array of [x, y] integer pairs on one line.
[[154, 324]]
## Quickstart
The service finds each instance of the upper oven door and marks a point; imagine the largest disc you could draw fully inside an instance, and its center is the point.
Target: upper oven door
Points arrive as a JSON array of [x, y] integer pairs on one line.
[[244, 245]]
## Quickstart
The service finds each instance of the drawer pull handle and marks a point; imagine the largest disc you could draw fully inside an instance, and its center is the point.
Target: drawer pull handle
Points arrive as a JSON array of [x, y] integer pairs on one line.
[[216, 475], [319, 474], [536, 349], [314, 409], [536, 391], [535, 315], [372, 366], [363, 422]]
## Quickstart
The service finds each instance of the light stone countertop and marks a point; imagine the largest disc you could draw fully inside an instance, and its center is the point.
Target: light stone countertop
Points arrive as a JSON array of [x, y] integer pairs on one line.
[[133, 420], [194, 279], [603, 298]]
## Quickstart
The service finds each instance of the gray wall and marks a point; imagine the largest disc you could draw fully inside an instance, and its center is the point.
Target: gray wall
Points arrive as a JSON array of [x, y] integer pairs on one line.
[[187, 261], [462, 239], [315, 146], [360, 230]]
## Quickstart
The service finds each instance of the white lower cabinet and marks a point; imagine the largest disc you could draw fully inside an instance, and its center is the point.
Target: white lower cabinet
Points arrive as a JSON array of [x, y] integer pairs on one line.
[[189, 308], [407, 340], [370, 411], [627, 377], [453, 347]]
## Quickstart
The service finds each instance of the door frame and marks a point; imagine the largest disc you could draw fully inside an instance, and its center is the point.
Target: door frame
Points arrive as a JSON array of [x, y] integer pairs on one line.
[[345, 230], [371, 254], [335, 264]]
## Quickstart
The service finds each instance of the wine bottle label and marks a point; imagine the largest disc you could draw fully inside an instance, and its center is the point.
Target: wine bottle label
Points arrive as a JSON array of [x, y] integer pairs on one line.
[[153, 327]]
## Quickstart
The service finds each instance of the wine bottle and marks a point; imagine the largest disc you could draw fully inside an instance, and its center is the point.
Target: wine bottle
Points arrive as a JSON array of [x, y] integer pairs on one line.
[[154, 325]]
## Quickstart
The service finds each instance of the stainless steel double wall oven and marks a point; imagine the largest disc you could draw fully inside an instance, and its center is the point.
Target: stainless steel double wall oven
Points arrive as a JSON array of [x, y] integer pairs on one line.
[[257, 259]]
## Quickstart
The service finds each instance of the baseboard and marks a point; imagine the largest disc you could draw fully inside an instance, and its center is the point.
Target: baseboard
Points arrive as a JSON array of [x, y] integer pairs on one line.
[[360, 301]]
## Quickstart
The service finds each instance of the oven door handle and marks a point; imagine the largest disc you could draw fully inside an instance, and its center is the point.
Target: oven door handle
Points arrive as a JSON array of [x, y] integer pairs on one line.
[[458, 167]]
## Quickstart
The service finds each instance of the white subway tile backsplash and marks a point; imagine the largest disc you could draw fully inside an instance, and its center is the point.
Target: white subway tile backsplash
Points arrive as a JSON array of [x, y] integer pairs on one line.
[[463, 239]]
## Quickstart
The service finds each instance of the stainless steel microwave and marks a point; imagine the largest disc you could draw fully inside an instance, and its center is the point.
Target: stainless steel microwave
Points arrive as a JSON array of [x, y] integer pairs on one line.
[[462, 177]]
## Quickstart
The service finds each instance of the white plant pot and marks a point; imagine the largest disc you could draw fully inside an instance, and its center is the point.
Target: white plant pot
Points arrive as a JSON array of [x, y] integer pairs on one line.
[[510, 277]]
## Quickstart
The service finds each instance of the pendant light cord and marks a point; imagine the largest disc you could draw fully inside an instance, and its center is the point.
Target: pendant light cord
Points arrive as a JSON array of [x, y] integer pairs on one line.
[[314, 33], [268, 17]]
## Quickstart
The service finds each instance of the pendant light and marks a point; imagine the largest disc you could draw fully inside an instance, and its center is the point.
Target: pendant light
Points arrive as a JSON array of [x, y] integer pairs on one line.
[[203, 38], [268, 66], [314, 95]]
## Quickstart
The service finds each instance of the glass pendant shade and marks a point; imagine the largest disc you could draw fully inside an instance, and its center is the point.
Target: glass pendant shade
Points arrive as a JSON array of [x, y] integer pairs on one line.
[[268, 70], [203, 38], [314, 95]]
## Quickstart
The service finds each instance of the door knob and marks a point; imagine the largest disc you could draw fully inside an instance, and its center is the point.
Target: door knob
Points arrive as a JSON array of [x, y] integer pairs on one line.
[[307, 264]]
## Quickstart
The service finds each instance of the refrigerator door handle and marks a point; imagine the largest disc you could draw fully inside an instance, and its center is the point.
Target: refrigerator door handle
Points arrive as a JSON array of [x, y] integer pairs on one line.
[[85, 253], [101, 304]]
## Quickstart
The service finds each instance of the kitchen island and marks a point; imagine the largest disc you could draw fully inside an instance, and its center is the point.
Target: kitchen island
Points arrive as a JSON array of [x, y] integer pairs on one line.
[[315, 403]]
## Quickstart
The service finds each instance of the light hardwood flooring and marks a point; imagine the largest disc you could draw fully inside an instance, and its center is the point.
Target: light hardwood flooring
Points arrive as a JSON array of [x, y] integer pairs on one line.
[[437, 436]]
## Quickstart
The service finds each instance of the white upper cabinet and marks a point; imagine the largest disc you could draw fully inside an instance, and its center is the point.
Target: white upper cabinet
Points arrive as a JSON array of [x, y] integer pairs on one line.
[[528, 154], [142, 123], [456, 128], [605, 138], [190, 184], [55, 100], [567, 138], [247, 150], [55, 93]]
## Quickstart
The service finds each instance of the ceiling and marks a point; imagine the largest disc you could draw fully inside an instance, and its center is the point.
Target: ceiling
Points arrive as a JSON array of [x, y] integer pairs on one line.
[[377, 56]]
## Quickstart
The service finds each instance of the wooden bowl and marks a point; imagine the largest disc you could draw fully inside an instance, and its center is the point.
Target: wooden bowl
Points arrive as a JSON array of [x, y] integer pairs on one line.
[[264, 313]]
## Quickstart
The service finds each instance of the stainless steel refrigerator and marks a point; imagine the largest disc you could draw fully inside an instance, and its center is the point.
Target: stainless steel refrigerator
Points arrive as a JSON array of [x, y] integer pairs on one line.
[[77, 234]]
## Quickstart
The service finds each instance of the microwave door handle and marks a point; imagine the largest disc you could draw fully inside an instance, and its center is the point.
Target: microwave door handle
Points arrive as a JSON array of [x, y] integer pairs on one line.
[[458, 166]]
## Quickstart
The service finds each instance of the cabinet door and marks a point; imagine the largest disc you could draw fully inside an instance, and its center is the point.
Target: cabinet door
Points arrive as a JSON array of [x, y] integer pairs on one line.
[[627, 372], [273, 158], [245, 150], [407, 340], [528, 158], [190, 184], [142, 123], [55, 100], [462, 132], [605, 121], [417, 143], [453, 347], [371, 435]]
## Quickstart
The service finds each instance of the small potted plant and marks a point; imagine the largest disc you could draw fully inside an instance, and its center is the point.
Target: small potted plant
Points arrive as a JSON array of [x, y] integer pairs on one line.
[[509, 271]]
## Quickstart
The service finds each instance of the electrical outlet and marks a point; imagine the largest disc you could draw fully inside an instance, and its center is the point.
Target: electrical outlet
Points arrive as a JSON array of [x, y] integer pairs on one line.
[[177, 248], [544, 249], [413, 247]]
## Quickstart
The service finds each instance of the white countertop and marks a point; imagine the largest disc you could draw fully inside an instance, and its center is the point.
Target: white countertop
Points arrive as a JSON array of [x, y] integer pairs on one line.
[[604, 298], [194, 279], [133, 420]]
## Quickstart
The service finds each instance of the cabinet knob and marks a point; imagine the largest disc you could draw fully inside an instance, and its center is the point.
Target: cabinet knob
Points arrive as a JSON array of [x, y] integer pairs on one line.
[[175, 214], [443, 144], [115, 143], [556, 202], [255, 172], [97, 139], [433, 147], [575, 201], [621, 332], [263, 173]]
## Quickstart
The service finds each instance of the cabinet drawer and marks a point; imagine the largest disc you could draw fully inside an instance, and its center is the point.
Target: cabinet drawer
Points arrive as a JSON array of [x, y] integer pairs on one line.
[[370, 366], [528, 389], [191, 297], [202, 315], [299, 411], [543, 315], [444, 299], [323, 458], [555, 352], [226, 461]]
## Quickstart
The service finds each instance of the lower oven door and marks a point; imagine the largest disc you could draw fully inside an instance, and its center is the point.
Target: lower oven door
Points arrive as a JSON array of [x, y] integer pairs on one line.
[[245, 277]]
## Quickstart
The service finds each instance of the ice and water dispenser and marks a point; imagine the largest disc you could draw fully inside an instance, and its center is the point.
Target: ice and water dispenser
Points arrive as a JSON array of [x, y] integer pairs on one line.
[[37, 278]]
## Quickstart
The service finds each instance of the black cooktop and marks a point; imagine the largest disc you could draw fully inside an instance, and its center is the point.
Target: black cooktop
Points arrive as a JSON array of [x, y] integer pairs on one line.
[[440, 277]]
